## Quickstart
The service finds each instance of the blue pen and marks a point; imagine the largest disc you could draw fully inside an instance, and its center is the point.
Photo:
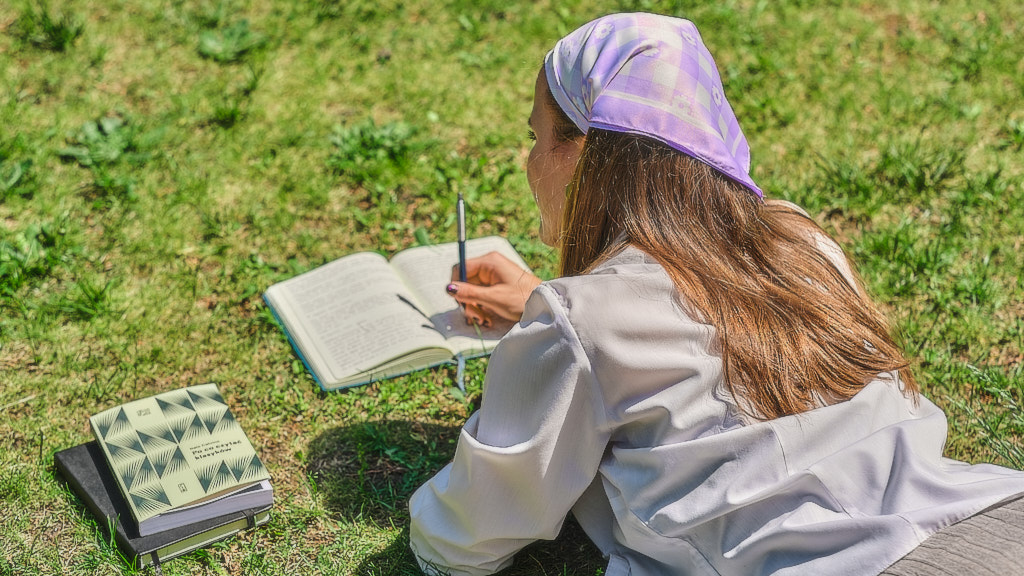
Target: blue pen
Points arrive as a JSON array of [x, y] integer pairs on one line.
[[460, 209]]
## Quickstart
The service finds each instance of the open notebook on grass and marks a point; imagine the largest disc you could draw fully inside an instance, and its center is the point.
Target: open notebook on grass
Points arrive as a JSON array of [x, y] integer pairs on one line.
[[362, 318]]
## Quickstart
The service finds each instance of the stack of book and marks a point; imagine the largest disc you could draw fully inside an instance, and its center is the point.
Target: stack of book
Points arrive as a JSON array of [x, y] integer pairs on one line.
[[169, 474]]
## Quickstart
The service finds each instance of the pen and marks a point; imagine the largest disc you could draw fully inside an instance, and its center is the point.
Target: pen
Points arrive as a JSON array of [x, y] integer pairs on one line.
[[460, 209]]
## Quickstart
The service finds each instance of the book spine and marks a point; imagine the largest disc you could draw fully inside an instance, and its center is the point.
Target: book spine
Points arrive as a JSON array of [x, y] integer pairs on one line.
[[294, 345], [109, 521]]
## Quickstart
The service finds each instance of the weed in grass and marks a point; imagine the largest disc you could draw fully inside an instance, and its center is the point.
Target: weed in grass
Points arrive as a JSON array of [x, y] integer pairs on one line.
[[14, 485], [483, 181], [1011, 135], [366, 152], [15, 179], [380, 210], [228, 112], [213, 14], [470, 22], [904, 259], [102, 389], [254, 74], [980, 191], [16, 174], [476, 177], [38, 27], [31, 256], [101, 142], [911, 170], [99, 56], [969, 45], [997, 409], [231, 43], [107, 190], [192, 187], [904, 171], [234, 104], [251, 277], [85, 301], [422, 237], [846, 180], [109, 553], [217, 226]]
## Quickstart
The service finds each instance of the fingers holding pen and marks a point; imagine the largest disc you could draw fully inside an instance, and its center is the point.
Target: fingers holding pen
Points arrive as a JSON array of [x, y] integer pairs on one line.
[[503, 300], [472, 298], [477, 272], [474, 313]]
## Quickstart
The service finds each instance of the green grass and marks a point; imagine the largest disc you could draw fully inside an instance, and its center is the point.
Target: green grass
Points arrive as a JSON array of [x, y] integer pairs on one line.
[[162, 163]]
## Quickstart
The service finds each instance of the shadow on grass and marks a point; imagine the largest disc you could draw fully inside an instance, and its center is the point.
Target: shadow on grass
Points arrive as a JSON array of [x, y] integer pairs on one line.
[[368, 471], [571, 554]]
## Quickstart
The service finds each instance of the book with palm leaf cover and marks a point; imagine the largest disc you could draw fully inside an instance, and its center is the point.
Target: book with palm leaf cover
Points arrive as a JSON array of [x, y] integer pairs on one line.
[[179, 452]]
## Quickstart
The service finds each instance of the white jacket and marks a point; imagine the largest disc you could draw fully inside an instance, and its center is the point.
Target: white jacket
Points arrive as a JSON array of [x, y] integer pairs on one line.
[[607, 400]]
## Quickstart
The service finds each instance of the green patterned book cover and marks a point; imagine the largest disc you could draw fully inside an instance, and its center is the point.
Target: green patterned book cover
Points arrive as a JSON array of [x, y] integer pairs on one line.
[[176, 449]]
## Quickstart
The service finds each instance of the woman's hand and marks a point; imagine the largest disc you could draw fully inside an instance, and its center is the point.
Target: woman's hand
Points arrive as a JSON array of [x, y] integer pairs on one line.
[[496, 287]]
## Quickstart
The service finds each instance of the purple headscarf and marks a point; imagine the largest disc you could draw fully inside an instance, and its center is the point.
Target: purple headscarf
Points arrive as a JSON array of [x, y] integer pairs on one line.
[[650, 75]]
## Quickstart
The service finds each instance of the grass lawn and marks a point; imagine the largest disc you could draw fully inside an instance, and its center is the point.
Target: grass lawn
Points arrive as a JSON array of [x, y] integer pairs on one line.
[[163, 161]]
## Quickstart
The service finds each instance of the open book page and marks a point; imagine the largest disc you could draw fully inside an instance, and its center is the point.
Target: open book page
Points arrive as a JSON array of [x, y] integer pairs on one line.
[[428, 269], [352, 315]]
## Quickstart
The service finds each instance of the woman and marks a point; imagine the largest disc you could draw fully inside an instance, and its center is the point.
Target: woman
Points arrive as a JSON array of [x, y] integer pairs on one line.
[[707, 387]]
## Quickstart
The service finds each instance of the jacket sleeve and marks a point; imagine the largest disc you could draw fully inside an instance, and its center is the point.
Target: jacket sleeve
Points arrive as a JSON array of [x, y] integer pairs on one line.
[[523, 459]]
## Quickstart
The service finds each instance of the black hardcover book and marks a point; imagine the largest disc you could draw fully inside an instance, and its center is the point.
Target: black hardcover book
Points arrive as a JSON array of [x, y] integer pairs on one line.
[[85, 469]]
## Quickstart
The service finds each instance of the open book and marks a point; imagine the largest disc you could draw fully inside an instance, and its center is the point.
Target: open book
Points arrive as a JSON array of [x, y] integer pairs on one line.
[[362, 318]]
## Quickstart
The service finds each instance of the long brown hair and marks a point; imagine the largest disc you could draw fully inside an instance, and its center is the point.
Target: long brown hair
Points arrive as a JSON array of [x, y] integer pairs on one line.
[[794, 332]]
